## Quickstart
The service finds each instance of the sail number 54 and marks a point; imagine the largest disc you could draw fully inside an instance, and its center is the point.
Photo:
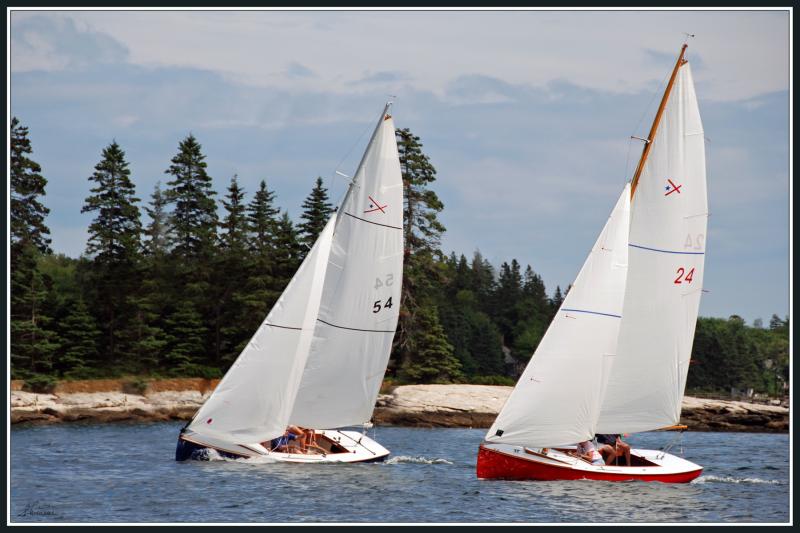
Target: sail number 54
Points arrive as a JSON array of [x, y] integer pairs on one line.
[[684, 276], [376, 307]]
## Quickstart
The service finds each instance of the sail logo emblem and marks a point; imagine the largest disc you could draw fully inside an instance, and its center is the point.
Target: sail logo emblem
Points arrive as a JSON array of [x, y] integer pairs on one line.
[[671, 188], [375, 206]]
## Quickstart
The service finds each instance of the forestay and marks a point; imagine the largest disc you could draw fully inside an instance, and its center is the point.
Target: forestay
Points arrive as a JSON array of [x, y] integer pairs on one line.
[[252, 403], [361, 296], [665, 273], [557, 398]]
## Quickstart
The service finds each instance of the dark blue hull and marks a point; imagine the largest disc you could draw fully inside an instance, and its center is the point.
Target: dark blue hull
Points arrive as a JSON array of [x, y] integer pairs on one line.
[[186, 450]]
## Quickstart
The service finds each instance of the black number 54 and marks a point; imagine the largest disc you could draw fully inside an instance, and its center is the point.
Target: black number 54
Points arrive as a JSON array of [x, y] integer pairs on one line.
[[376, 307]]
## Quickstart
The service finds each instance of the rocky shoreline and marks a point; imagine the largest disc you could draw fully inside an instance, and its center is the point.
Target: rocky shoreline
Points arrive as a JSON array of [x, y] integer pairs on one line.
[[409, 405]]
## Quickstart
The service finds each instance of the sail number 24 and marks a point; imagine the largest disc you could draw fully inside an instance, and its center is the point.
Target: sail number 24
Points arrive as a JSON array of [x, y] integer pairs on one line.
[[684, 276]]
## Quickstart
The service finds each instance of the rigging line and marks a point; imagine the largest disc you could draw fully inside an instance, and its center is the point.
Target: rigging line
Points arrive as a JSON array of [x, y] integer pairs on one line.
[[347, 154]]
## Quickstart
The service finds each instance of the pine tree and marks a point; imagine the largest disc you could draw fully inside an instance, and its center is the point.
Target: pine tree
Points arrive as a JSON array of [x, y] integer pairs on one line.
[[421, 274], [316, 212], [287, 252], [157, 231], [231, 277], [260, 291], [27, 185], [262, 220], [434, 361], [194, 217], [557, 300], [185, 340], [193, 239], [422, 229], [32, 344], [79, 337], [114, 244]]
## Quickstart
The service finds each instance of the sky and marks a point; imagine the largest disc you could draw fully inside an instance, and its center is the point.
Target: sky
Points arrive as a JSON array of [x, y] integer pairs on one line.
[[526, 115]]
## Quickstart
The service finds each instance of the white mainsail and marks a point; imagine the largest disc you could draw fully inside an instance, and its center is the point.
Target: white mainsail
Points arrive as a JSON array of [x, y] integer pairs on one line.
[[557, 398], [669, 212], [319, 357], [254, 399], [361, 297]]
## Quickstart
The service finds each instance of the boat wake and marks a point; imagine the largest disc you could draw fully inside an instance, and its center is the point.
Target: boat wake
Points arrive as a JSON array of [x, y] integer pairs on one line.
[[729, 479], [419, 460], [213, 455]]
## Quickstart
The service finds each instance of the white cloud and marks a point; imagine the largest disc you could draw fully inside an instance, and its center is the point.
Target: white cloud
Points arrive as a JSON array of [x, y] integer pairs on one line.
[[744, 53]]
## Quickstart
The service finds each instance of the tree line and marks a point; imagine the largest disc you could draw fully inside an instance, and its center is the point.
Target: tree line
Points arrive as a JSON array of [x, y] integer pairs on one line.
[[181, 293]]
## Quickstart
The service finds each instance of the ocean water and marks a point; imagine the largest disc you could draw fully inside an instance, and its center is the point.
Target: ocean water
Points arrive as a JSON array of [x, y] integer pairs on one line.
[[127, 473]]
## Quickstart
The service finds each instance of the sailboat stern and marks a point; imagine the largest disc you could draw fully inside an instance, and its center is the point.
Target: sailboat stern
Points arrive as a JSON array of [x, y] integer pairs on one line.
[[505, 461]]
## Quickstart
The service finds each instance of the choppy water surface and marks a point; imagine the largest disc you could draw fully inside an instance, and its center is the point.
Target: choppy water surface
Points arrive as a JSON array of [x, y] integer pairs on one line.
[[126, 473]]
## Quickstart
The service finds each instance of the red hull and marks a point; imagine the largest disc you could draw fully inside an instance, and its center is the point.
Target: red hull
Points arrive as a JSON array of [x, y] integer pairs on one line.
[[497, 465]]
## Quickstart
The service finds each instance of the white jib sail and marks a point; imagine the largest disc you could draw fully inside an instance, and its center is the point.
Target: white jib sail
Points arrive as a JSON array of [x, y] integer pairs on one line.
[[669, 212], [254, 399], [557, 398], [361, 298]]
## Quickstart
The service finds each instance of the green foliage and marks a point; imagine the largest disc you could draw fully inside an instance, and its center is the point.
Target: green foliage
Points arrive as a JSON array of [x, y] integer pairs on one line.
[[316, 212], [194, 217], [185, 340], [183, 295], [40, 383], [728, 354], [79, 337], [493, 380], [136, 385], [27, 185], [433, 360]]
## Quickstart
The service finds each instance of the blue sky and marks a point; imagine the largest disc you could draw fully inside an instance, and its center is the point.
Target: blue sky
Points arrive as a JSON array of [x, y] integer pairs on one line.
[[526, 116]]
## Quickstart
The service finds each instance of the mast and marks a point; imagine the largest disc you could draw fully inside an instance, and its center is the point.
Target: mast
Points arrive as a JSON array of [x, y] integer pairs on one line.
[[363, 157], [649, 142]]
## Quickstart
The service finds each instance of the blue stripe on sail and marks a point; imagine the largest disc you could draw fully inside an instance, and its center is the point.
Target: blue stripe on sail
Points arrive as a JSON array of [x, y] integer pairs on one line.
[[664, 251], [591, 312]]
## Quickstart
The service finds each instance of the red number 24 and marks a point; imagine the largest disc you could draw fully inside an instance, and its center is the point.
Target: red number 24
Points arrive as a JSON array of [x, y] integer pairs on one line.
[[687, 278]]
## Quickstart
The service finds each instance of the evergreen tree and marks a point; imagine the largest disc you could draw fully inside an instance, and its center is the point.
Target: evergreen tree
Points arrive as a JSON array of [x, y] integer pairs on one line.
[[193, 238], [557, 300], [316, 212], [231, 277], [262, 220], [421, 273], [32, 344], [157, 231], [185, 341], [79, 337], [194, 217], [114, 244], [434, 361], [422, 228], [261, 290], [27, 185], [287, 252]]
